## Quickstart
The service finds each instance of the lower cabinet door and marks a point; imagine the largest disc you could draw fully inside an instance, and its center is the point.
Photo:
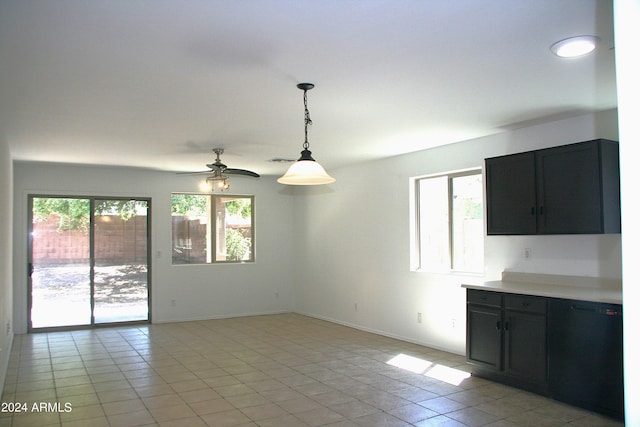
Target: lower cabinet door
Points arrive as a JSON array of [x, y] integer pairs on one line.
[[484, 337], [526, 346]]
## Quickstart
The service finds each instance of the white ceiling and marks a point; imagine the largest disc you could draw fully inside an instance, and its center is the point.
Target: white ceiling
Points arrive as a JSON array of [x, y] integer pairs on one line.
[[160, 83]]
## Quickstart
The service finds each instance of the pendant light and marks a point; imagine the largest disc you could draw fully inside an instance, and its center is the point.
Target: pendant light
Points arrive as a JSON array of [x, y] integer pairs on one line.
[[306, 171]]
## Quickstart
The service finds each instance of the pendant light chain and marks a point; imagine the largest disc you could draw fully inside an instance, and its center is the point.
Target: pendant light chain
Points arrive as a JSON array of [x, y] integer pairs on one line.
[[307, 121], [306, 171]]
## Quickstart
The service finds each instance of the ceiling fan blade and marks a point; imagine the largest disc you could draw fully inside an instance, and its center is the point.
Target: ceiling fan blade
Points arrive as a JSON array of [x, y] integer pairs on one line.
[[195, 173], [219, 169], [217, 165], [232, 171]]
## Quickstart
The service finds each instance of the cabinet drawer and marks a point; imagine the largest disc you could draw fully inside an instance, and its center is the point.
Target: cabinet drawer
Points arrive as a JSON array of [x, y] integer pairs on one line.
[[484, 297], [526, 303]]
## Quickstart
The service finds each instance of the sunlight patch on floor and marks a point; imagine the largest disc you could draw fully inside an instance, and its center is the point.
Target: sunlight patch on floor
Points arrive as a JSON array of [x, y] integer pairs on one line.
[[432, 370]]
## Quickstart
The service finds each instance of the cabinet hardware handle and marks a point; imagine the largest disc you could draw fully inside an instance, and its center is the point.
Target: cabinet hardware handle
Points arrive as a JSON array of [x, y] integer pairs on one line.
[[506, 326], [498, 325], [526, 304], [533, 210]]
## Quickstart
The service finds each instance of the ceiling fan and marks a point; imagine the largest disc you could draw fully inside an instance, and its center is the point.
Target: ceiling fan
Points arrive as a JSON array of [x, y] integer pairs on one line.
[[219, 167], [218, 172]]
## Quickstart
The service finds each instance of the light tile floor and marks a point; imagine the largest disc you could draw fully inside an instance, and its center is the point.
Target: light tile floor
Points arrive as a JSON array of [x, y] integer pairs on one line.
[[279, 370]]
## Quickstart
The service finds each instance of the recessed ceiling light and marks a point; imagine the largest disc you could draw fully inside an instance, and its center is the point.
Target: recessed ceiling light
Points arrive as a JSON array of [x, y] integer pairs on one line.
[[575, 46]]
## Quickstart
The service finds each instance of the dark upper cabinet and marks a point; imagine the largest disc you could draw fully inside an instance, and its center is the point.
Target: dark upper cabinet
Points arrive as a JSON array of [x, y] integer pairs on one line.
[[571, 189], [511, 194]]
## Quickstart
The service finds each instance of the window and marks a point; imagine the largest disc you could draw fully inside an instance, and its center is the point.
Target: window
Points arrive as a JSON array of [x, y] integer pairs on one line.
[[211, 228], [449, 226]]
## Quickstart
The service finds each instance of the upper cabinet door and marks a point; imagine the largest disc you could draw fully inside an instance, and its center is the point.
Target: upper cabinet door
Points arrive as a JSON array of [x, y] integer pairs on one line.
[[569, 191], [511, 194]]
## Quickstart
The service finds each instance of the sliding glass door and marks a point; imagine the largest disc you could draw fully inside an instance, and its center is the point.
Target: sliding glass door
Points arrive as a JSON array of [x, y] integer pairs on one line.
[[120, 279], [88, 261], [60, 263]]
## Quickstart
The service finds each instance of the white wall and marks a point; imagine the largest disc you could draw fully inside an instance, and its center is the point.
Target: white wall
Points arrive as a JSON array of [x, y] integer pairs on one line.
[[627, 31], [200, 291], [6, 307], [355, 240]]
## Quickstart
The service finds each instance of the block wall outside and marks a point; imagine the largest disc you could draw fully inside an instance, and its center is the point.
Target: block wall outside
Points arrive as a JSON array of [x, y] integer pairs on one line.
[[117, 241]]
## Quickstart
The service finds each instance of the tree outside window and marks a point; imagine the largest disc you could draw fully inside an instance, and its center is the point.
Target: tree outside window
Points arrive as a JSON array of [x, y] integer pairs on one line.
[[211, 228]]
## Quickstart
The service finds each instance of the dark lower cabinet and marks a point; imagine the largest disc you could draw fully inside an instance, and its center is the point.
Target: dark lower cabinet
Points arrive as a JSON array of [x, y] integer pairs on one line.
[[506, 338], [565, 349], [484, 341], [525, 347]]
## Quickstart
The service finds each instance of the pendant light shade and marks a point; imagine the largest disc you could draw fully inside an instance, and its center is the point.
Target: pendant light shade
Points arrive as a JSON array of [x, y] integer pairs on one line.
[[306, 171]]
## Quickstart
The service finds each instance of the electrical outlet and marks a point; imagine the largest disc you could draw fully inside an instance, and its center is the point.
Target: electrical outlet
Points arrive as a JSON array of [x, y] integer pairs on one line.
[[173, 303], [8, 326], [453, 323], [419, 317], [527, 253], [277, 295]]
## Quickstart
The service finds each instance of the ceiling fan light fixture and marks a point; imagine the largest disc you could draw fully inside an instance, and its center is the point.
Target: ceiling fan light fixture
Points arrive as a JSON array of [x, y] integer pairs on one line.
[[217, 182], [574, 47], [218, 174], [306, 171]]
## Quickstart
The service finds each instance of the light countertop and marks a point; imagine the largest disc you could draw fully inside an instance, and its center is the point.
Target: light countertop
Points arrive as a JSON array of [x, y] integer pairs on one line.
[[555, 286]]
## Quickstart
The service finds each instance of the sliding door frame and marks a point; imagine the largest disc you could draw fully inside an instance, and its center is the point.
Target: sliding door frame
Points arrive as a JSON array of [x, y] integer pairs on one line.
[[92, 262]]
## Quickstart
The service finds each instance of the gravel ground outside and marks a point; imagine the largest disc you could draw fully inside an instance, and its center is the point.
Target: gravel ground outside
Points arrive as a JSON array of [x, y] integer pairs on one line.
[[61, 294]]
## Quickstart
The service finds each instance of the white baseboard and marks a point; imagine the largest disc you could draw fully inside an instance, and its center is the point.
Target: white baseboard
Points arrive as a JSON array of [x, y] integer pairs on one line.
[[215, 317], [378, 332]]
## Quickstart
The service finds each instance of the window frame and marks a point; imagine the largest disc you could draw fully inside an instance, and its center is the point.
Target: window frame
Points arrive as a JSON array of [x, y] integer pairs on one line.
[[416, 235], [211, 236]]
